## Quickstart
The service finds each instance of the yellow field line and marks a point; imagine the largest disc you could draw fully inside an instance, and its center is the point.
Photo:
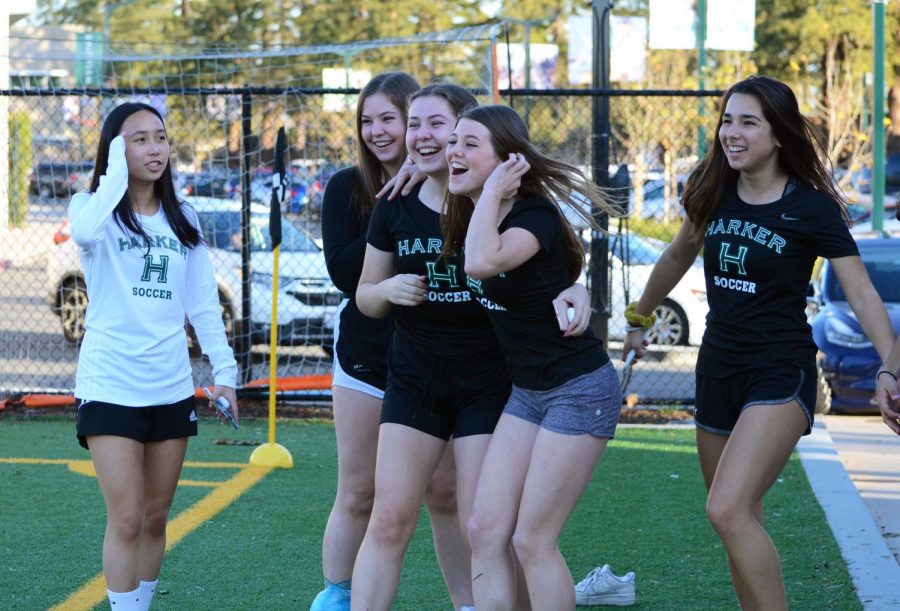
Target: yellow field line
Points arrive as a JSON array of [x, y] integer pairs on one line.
[[64, 461], [37, 461], [94, 592]]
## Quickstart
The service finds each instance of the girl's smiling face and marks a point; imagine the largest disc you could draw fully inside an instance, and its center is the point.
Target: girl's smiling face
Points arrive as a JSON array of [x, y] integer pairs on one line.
[[382, 129], [428, 130], [146, 146], [471, 157], [745, 135]]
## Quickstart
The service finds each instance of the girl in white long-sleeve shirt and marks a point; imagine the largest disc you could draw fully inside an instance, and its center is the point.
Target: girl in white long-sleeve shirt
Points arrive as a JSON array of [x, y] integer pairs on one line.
[[146, 267]]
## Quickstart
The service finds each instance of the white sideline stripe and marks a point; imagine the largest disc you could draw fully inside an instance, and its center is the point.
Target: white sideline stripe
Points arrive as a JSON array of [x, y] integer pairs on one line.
[[872, 567]]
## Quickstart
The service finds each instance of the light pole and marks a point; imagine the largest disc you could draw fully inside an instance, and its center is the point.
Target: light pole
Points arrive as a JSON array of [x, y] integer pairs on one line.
[[701, 80], [878, 115]]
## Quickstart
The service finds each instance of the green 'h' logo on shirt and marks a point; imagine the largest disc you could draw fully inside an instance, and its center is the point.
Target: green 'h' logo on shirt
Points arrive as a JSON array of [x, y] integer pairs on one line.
[[435, 277], [726, 258], [161, 268]]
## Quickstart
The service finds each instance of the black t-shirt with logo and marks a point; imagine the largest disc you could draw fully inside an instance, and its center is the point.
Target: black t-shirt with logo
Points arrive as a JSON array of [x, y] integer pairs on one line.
[[519, 304], [362, 345], [758, 260], [449, 323]]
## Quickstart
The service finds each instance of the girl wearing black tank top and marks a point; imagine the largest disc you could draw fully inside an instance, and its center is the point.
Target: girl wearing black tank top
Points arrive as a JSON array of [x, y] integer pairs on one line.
[[756, 371]]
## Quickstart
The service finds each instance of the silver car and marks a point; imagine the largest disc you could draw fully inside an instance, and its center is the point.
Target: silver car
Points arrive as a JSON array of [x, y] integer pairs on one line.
[[307, 299]]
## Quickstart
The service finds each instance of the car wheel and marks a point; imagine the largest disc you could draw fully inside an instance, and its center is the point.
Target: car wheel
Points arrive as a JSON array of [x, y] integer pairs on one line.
[[194, 348], [73, 301], [823, 395], [671, 328]]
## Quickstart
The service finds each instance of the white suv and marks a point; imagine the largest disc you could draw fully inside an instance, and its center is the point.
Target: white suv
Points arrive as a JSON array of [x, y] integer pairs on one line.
[[307, 299], [681, 317]]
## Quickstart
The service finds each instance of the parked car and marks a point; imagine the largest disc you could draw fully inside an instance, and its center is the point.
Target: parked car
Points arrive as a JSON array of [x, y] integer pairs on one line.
[[316, 192], [847, 361], [655, 204], [296, 198], [892, 172], [207, 183], [681, 317], [307, 299], [890, 225], [60, 178], [861, 177]]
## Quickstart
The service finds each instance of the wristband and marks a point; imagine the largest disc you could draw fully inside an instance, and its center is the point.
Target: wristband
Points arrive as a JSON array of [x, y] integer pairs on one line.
[[636, 319], [629, 328], [890, 373]]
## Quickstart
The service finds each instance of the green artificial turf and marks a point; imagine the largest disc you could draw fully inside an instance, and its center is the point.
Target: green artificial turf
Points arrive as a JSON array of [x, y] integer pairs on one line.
[[643, 512]]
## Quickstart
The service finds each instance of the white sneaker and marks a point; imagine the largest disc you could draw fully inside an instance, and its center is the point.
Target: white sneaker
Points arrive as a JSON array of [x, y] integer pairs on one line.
[[601, 587]]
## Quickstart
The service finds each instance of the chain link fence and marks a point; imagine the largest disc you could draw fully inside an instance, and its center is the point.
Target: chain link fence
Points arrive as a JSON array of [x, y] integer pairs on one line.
[[222, 153]]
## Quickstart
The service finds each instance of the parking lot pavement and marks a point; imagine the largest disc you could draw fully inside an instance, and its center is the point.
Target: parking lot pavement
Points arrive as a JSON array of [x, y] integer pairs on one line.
[[853, 466]]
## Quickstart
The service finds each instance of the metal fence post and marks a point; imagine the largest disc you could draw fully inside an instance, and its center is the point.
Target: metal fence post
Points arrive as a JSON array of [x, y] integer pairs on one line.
[[242, 346], [599, 270]]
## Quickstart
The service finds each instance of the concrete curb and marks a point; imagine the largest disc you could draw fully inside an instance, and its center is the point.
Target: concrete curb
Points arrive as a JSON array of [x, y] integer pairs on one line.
[[872, 567]]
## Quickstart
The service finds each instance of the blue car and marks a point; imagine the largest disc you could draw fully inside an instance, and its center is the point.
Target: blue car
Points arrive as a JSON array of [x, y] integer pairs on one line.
[[847, 360]]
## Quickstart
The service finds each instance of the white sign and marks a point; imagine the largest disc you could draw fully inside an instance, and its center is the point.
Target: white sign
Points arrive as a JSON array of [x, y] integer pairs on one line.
[[511, 67], [673, 24], [581, 46], [730, 25], [628, 49], [340, 78]]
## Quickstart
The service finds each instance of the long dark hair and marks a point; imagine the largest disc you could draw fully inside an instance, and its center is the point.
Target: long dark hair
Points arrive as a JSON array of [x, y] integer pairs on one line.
[[553, 180], [397, 86], [163, 187], [797, 155]]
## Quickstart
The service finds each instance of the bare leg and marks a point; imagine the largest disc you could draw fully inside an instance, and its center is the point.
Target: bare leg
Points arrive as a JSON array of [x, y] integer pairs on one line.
[[709, 450], [162, 468], [547, 502], [494, 514], [469, 452], [452, 552], [119, 463], [758, 449], [406, 462], [356, 417]]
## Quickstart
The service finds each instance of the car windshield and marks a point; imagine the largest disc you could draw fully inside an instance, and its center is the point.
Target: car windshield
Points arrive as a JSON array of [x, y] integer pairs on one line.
[[223, 230], [883, 266]]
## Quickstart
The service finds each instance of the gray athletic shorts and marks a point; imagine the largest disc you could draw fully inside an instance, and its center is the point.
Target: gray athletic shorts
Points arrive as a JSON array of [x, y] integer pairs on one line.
[[589, 404]]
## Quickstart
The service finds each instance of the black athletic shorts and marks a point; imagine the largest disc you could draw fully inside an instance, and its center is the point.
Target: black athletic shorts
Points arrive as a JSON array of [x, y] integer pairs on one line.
[[143, 424], [444, 397], [720, 401]]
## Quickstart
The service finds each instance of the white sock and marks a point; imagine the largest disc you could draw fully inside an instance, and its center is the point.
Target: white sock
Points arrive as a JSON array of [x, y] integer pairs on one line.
[[125, 601], [466, 608], [147, 589]]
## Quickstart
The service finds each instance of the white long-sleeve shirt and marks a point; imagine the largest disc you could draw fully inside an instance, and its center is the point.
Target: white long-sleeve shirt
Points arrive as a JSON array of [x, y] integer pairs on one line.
[[134, 351]]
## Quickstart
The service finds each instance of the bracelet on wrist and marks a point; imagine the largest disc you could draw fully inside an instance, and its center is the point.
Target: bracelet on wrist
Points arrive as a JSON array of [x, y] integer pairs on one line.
[[629, 328], [888, 372], [638, 320]]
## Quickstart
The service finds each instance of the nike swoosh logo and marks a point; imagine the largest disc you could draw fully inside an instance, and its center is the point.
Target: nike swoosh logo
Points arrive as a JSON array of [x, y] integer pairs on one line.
[[785, 217]]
